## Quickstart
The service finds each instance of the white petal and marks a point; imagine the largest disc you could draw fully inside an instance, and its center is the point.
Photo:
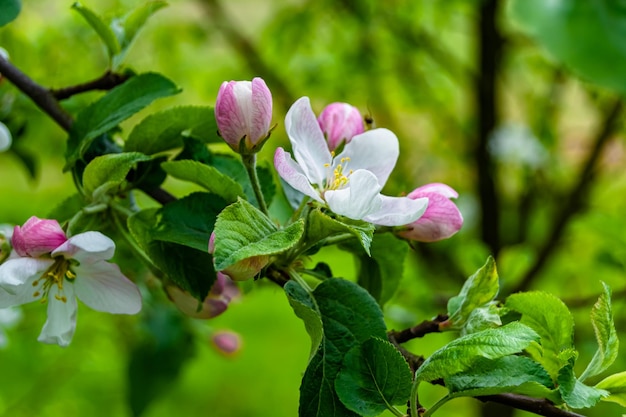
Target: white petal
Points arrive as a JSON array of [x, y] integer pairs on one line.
[[22, 294], [61, 323], [103, 287], [360, 198], [398, 211], [87, 247], [292, 173], [376, 150], [307, 140], [17, 271]]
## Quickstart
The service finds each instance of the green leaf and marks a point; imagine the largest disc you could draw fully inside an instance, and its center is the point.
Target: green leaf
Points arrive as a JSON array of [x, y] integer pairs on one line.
[[189, 268], [374, 376], [380, 273], [512, 374], [461, 354], [305, 308], [164, 130], [321, 225], [587, 36], [485, 317], [188, 221], [349, 317], [479, 289], [9, 9], [126, 28], [102, 29], [205, 176], [575, 393], [110, 170], [164, 345], [242, 231], [116, 106], [615, 385], [67, 208], [552, 320], [604, 327]]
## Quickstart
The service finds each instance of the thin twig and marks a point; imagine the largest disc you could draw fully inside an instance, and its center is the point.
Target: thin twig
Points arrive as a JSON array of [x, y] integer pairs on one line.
[[40, 96], [574, 202], [420, 330], [107, 81], [47, 102], [537, 406]]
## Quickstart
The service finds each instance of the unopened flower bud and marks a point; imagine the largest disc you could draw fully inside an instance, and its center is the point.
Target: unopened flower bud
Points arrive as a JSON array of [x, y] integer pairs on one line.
[[37, 237], [5, 137], [244, 269], [216, 302], [226, 342], [243, 111], [441, 219], [340, 122]]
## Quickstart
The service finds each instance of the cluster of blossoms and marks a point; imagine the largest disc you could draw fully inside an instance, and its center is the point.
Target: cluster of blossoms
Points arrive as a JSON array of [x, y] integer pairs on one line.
[[347, 183]]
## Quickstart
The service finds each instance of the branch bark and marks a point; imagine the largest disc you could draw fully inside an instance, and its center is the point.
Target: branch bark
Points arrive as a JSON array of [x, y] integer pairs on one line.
[[107, 81], [49, 104], [537, 406]]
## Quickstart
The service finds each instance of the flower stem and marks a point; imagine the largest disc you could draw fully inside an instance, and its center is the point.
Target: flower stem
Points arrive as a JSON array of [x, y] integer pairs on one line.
[[296, 277], [249, 161]]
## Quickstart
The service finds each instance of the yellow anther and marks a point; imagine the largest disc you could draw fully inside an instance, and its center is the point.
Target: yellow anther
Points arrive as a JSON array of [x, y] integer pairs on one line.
[[35, 283], [36, 294], [326, 165]]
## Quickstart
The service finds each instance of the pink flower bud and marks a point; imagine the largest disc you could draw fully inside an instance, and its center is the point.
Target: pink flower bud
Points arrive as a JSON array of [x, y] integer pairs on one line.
[[244, 269], [226, 342], [216, 302], [37, 237], [243, 111], [340, 122], [441, 219]]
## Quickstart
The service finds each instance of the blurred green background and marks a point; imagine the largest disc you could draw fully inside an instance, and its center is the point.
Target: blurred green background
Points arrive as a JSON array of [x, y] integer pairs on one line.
[[536, 154]]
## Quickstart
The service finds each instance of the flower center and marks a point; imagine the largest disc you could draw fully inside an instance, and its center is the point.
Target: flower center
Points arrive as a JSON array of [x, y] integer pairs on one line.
[[338, 178], [54, 276]]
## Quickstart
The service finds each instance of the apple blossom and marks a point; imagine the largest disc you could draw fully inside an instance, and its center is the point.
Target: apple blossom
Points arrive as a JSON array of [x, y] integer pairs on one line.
[[441, 219], [37, 236], [348, 183], [216, 302], [76, 268], [226, 342], [340, 122], [243, 111]]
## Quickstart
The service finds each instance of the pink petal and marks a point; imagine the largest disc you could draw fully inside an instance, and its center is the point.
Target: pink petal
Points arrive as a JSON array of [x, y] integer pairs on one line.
[[226, 342], [434, 188], [261, 112], [292, 173], [37, 237], [441, 220], [340, 122], [231, 120]]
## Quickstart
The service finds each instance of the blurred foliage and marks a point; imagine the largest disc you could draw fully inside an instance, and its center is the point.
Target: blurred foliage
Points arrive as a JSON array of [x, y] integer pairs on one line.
[[413, 67]]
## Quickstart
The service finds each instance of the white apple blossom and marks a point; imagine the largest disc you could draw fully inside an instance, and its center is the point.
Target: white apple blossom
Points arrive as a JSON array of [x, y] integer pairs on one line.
[[77, 268], [348, 183]]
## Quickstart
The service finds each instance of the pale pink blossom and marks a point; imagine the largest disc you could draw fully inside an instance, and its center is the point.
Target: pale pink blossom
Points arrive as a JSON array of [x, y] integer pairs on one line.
[[348, 183], [76, 268], [340, 122], [441, 219], [226, 342], [243, 111]]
